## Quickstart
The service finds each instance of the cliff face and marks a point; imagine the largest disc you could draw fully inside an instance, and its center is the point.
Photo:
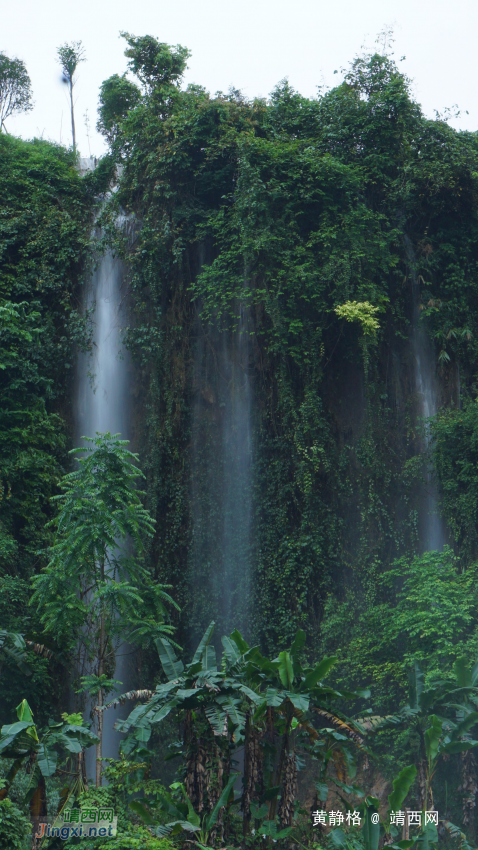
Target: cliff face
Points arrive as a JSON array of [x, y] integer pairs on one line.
[[304, 280]]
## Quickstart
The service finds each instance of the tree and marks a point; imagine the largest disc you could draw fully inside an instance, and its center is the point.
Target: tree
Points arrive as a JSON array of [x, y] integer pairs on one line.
[[15, 827], [267, 706], [69, 57], [15, 88], [39, 750], [14, 646], [117, 96], [156, 64], [92, 595]]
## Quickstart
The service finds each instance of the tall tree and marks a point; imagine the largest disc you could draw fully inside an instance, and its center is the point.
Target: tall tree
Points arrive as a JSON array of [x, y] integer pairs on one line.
[[93, 595], [69, 57], [15, 88], [117, 96]]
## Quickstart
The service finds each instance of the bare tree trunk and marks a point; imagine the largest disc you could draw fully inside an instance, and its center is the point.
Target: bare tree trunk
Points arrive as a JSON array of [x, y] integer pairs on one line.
[[253, 775], [289, 791], [83, 779], [469, 788], [73, 131], [99, 746], [38, 809]]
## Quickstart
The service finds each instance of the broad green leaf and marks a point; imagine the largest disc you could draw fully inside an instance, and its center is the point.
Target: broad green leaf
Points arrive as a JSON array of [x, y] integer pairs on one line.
[[432, 738], [320, 671], [209, 660], [248, 692], [142, 734], [269, 828], [241, 644], [232, 707], [47, 760], [231, 650], [286, 673], [467, 723], [401, 786], [299, 701], [274, 698], [371, 831], [462, 672], [458, 747], [210, 820], [24, 712], [217, 718], [171, 665], [203, 643]]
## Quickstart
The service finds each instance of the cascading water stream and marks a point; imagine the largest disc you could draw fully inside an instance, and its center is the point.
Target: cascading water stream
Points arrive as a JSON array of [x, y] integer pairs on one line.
[[432, 530], [237, 482], [221, 482], [103, 404]]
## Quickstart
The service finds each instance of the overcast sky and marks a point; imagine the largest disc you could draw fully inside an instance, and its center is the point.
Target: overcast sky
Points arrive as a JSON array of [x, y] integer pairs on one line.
[[251, 45]]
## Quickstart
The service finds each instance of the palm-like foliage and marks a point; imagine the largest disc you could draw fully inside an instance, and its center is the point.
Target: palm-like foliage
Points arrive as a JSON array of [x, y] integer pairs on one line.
[[15, 646], [39, 751], [266, 705], [94, 595], [439, 733]]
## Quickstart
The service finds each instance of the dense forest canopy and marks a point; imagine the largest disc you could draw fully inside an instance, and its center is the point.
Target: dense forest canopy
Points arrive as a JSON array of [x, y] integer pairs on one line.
[[323, 250]]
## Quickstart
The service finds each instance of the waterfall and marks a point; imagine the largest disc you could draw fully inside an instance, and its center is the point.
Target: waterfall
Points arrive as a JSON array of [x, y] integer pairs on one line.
[[102, 404], [221, 480], [237, 481], [432, 529]]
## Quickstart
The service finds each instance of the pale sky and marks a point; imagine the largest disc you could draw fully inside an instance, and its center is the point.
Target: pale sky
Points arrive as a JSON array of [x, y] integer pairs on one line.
[[250, 45]]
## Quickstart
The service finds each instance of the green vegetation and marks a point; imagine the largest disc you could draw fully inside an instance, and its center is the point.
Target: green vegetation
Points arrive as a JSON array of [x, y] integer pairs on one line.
[[44, 236], [332, 233], [15, 828], [69, 57], [15, 89]]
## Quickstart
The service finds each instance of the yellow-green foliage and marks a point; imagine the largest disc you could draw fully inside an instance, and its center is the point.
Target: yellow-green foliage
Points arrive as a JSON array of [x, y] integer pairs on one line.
[[362, 312]]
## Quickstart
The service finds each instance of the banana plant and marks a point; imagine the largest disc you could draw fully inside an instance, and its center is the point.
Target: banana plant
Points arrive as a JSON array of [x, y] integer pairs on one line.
[[14, 646], [39, 751], [462, 700], [428, 712], [265, 704], [292, 701], [177, 806]]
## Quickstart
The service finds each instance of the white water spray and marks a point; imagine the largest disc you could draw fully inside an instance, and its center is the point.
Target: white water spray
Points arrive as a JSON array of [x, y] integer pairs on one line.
[[103, 404], [432, 530], [220, 558]]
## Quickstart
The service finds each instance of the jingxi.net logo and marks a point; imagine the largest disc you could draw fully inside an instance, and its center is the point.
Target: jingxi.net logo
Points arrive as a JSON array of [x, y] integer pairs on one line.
[[79, 823]]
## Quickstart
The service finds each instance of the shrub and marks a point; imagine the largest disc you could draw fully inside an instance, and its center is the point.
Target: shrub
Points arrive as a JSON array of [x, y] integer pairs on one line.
[[15, 827]]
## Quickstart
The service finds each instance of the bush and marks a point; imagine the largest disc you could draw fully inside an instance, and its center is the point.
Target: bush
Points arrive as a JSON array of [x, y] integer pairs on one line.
[[15, 827], [139, 838]]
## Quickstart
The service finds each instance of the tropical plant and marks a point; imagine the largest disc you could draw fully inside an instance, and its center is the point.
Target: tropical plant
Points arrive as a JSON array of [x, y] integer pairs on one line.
[[15, 827], [157, 65], [69, 57], [462, 699], [117, 96], [266, 706], [15, 88], [39, 750], [13, 646], [187, 819], [91, 595], [438, 735]]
